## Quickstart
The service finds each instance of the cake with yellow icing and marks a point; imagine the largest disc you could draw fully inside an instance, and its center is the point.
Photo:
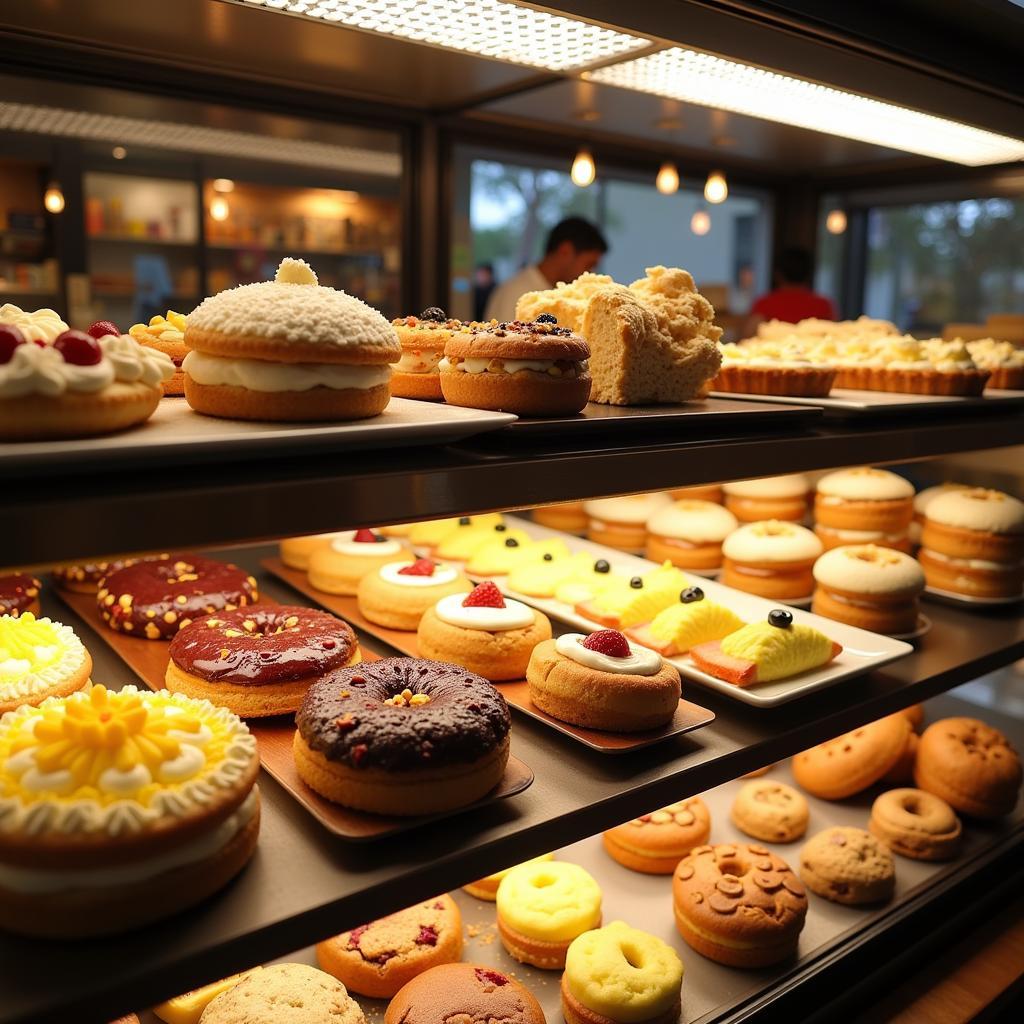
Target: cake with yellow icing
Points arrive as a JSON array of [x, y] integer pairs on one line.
[[761, 652], [431, 532], [628, 602], [468, 537], [689, 621], [589, 581], [39, 658], [117, 809], [167, 335], [505, 551], [487, 888], [542, 579], [621, 975], [542, 907]]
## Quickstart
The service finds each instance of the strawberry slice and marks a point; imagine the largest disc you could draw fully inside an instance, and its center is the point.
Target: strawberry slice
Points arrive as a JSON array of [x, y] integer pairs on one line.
[[365, 537], [484, 595], [609, 642], [421, 567], [102, 328]]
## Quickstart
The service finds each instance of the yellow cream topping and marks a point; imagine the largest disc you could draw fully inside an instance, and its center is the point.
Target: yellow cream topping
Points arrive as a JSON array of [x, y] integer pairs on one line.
[[499, 875], [686, 625], [778, 652], [554, 902], [27, 644], [294, 271]]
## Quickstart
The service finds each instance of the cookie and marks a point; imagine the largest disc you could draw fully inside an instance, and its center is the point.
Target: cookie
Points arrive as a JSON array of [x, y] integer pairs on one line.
[[970, 765], [848, 865], [771, 811], [916, 824], [655, 843], [840, 767]]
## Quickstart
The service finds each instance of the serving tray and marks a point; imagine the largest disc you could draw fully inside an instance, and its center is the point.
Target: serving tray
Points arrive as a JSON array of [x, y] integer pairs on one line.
[[850, 403]]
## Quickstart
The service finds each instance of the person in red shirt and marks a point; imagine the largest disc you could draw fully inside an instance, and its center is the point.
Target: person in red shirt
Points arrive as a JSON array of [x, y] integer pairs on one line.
[[792, 299]]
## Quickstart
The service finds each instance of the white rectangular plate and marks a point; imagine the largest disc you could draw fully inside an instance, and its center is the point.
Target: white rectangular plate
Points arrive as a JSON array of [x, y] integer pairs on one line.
[[174, 434], [886, 401], [981, 602], [862, 651]]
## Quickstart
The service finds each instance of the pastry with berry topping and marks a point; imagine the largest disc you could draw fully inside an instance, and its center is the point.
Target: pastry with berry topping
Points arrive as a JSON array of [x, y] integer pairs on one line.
[[167, 334], [423, 339], [74, 384], [463, 993], [532, 369], [655, 843], [402, 736], [484, 632], [378, 958], [288, 349], [337, 567], [687, 622], [398, 593], [602, 681]]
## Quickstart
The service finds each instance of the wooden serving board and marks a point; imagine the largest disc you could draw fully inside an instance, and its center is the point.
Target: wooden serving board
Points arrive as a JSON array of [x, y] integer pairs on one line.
[[148, 660], [688, 716]]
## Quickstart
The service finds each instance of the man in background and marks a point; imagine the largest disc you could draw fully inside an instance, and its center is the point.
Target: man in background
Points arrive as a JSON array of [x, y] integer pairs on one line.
[[574, 246], [483, 285], [792, 299]]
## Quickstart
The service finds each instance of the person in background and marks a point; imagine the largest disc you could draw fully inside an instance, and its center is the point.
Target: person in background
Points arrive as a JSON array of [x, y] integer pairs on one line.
[[792, 299], [483, 285], [574, 246]]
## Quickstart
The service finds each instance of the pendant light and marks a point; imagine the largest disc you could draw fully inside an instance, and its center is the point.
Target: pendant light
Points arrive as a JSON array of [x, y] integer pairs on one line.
[[667, 181], [716, 188], [583, 170], [219, 208], [700, 222], [53, 198], [835, 222]]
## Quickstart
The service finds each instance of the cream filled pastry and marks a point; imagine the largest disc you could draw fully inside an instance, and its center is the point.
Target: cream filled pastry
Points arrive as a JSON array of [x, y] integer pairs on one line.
[[772, 497], [398, 593], [772, 558], [288, 349], [863, 498], [39, 658], [423, 338], [621, 522], [338, 566], [120, 808], [689, 534], [168, 335], [921, 502]]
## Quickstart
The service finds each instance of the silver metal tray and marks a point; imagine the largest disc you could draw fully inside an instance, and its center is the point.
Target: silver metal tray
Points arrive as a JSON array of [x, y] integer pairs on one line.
[[847, 402]]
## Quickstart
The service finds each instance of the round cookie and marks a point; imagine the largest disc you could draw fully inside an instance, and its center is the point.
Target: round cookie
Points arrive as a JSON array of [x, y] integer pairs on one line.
[[770, 810], [739, 904], [655, 843], [840, 767], [285, 994], [916, 824], [848, 865], [461, 994], [970, 765], [378, 958]]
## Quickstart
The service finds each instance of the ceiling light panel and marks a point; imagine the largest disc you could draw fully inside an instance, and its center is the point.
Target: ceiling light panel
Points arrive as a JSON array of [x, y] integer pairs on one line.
[[710, 81], [489, 28]]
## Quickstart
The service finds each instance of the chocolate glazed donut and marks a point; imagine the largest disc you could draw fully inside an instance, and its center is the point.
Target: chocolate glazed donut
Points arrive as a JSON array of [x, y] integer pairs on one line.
[[19, 593]]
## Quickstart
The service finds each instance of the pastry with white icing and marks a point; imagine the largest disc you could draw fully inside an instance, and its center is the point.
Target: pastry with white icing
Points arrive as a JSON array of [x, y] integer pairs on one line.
[[876, 505], [399, 593], [772, 559], [337, 566], [689, 534]]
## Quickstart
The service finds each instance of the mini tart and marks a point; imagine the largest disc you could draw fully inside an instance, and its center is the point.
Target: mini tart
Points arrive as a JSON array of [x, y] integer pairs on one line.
[[864, 499], [655, 843], [167, 335], [288, 349], [618, 974], [39, 658], [689, 534], [259, 661], [402, 736], [295, 551], [621, 522], [84, 578], [532, 369], [568, 516], [924, 381], [739, 904], [771, 497], [975, 523], [466, 992], [691, 621], [423, 338], [798, 380], [869, 587], [339, 566], [542, 907], [396, 598], [119, 809], [19, 592], [916, 824], [586, 687], [378, 958], [771, 558], [487, 888]]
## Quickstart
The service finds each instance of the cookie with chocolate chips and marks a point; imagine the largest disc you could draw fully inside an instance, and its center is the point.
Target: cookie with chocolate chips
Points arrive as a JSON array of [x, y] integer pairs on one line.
[[848, 865]]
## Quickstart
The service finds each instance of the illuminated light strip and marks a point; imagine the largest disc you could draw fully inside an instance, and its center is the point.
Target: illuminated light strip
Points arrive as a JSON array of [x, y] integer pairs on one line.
[[701, 78], [490, 28], [127, 131]]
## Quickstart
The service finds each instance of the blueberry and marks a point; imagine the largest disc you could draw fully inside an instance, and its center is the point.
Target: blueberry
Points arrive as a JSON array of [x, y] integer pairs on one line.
[[464, 521], [691, 594], [379, 538], [500, 528], [434, 314], [636, 583], [602, 566], [549, 557], [511, 542], [780, 617], [547, 318]]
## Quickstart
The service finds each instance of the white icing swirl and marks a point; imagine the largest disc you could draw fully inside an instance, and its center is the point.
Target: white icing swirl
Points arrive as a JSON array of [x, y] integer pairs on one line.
[[515, 614], [134, 362], [641, 661], [346, 546], [442, 574], [263, 375], [40, 325]]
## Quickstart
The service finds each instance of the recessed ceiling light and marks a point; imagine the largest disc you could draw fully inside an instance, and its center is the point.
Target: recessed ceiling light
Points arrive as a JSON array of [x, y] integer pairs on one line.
[[694, 77], [490, 28]]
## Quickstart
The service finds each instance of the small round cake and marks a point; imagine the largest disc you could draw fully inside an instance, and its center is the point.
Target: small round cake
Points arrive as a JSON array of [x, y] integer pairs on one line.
[[532, 369], [621, 522], [922, 500], [402, 736], [602, 681], [288, 349], [260, 660], [770, 811], [463, 993], [542, 907], [399, 593], [484, 632], [655, 843], [916, 824], [39, 658], [487, 888], [870, 587], [19, 592], [378, 958], [771, 497], [567, 516], [423, 338], [771, 558], [295, 552], [338, 566], [621, 975], [864, 499], [698, 492], [848, 865], [832, 537], [167, 335], [689, 534], [155, 597]]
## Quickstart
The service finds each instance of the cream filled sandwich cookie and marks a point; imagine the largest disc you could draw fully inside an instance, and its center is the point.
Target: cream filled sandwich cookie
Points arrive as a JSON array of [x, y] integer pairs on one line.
[[288, 349], [39, 658], [117, 809]]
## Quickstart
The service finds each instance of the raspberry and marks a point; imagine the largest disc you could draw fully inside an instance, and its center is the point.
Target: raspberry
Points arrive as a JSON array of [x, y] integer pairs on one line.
[[607, 641], [10, 339], [365, 537], [102, 328], [421, 567], [484, 595]]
